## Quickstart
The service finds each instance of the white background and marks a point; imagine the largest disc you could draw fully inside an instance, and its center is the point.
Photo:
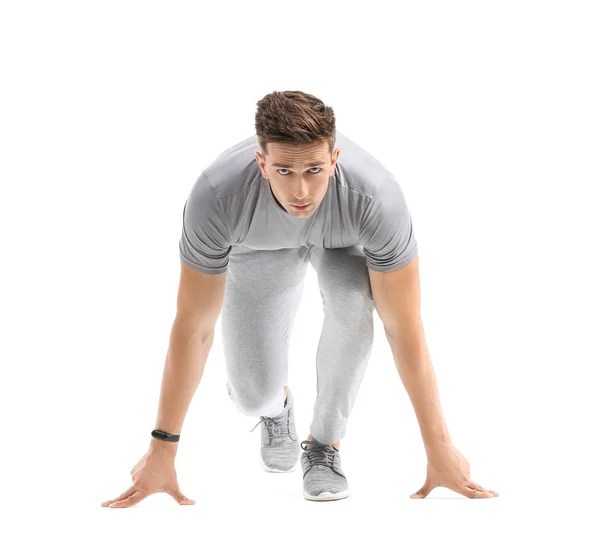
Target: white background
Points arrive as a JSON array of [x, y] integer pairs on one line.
[[488, 115]]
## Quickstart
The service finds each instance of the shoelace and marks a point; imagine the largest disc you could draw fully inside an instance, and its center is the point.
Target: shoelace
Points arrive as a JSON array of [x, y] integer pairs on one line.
[[319, 454], [273, 424]]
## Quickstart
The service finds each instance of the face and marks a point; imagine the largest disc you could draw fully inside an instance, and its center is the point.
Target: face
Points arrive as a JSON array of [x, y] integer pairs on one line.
[[298, 174]]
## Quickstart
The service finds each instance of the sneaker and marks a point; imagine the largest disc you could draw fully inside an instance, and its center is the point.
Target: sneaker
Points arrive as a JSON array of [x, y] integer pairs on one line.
[[279, 451], [322, 472]]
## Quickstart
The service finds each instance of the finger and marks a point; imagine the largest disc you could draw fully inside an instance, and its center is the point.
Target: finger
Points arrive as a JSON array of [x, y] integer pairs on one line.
[[472, 493], [179, 496], [127, 493], [423, 491], [136, 497], [473, 485]]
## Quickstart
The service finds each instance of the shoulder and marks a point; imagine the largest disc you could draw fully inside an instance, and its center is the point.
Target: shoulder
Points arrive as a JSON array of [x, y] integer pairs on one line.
[[357, 169], [234, 169]]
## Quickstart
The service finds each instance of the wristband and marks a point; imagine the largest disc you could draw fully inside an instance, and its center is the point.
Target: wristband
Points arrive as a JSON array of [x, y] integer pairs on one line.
[[163, 436]]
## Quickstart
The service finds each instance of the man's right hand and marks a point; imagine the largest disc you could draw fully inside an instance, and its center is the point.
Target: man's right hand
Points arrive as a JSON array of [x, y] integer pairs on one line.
[[155, 472]]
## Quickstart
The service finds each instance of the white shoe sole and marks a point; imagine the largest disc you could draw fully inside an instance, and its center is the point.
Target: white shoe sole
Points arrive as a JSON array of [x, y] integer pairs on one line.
[[326, 495]]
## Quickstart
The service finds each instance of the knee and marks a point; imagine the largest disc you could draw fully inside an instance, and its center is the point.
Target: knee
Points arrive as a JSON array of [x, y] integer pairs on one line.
[[351, 305]]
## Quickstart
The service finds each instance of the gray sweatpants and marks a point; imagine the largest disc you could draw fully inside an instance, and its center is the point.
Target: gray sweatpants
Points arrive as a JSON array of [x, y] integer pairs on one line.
[[262, 294]]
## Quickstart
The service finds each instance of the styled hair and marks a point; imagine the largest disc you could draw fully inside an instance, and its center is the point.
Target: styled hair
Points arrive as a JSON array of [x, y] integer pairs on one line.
[[294, 117]]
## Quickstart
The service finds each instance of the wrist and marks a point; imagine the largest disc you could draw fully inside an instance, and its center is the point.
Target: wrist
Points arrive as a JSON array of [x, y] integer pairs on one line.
[[158, 445], [440, 444], [436, 437]]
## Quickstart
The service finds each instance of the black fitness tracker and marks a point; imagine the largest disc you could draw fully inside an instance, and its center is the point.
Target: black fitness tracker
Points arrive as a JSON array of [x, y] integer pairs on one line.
[[163, 436]]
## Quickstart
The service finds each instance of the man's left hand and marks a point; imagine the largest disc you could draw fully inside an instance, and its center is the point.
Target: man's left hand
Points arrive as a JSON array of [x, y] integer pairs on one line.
[[447, 467]]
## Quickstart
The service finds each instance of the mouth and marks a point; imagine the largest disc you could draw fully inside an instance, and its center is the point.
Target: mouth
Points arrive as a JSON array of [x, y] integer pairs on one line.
[[300, 207]]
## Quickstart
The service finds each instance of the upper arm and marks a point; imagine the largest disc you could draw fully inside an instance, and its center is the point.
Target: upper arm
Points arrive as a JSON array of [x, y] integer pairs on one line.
[[397, 298], [204, 249], [200, 298], [386, 230], [205, 241]]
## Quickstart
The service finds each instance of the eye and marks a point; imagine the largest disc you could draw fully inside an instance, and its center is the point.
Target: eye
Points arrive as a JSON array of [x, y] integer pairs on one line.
[[313, 173]]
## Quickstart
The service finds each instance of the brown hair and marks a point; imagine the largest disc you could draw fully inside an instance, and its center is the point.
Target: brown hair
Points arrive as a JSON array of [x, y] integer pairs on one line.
[[295, 117]]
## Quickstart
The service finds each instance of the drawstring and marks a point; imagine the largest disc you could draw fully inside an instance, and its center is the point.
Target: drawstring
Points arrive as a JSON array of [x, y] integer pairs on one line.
[[272, 425], [321, 454]]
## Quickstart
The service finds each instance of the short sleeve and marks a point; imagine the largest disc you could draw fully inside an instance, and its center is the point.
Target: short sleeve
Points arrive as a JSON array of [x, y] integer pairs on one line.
[[205, 238], [386, 230]]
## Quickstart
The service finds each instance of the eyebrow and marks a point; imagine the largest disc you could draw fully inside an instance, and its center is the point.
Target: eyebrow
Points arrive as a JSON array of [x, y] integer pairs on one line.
[[308, 164]]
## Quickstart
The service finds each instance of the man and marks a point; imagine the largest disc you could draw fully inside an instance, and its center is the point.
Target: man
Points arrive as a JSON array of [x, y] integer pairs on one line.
[[251, 224]]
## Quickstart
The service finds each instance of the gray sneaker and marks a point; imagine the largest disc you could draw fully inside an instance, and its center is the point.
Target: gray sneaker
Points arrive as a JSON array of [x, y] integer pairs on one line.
[[279, 451], [322, 472]]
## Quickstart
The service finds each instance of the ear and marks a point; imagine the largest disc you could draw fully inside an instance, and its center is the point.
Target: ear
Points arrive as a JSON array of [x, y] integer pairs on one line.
[[261, 163], [334, 156]]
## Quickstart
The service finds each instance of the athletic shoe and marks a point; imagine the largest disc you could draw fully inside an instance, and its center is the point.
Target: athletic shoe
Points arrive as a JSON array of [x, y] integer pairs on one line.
[[322, 472], [279, 450]]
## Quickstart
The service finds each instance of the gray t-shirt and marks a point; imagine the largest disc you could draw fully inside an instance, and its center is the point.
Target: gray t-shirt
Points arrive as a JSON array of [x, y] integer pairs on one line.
[[232, 207]]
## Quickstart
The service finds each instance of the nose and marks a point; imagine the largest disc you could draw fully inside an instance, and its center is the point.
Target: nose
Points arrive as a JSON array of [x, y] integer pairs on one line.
[[300, 193]]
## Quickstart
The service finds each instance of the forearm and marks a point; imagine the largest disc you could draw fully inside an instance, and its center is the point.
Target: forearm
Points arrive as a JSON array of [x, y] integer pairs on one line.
[[184, 366], [416, 372]]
